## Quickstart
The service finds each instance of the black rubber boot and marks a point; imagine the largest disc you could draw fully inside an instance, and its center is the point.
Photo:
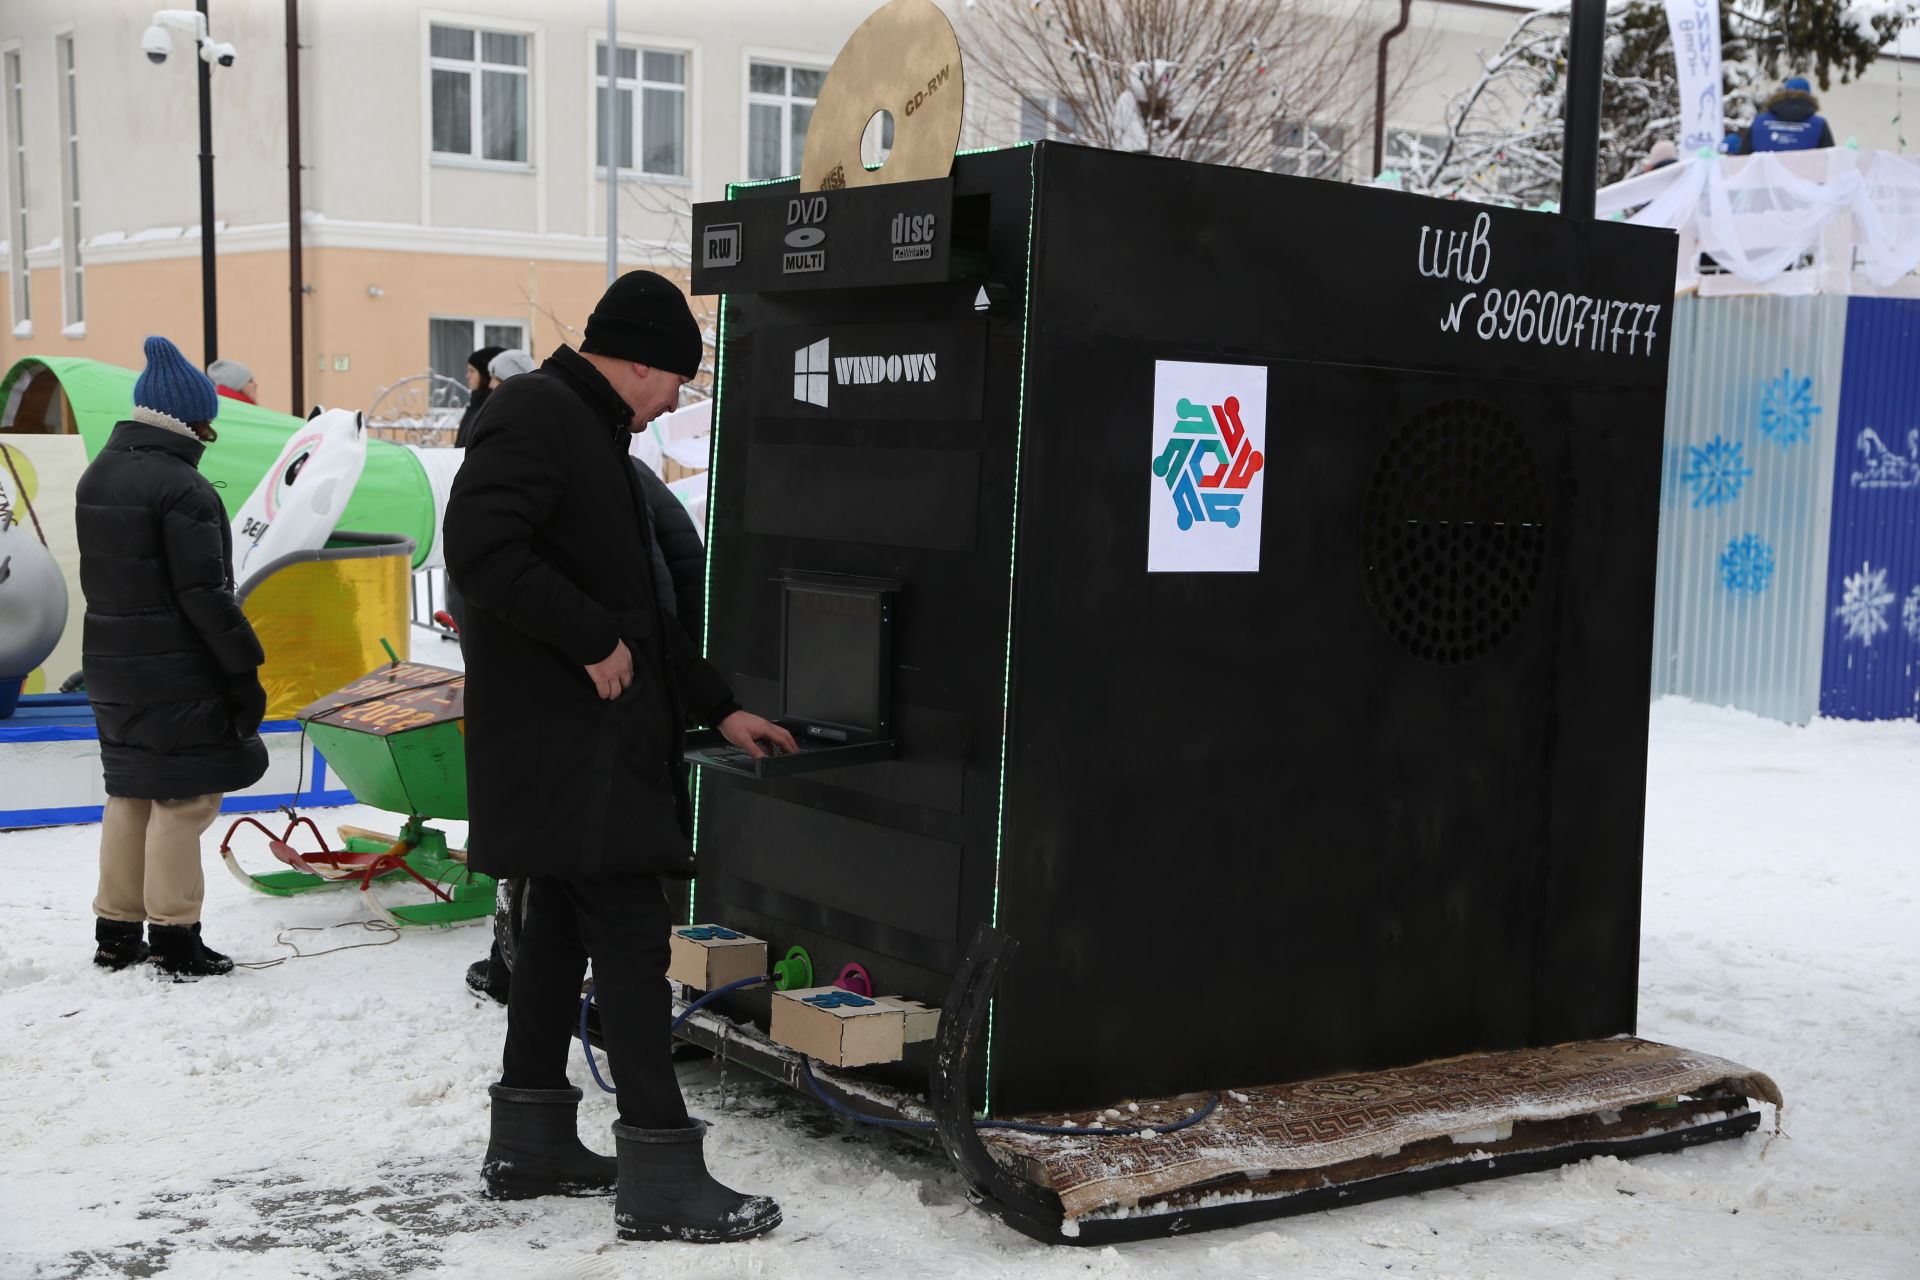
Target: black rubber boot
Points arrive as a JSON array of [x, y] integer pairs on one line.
[[489, 977], [120, 942], [535, 1149], [179, 954], [666, 1192]]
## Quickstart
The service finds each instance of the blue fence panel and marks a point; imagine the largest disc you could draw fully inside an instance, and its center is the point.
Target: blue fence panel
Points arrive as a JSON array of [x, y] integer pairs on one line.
[[1744, 502], [1871, 669]]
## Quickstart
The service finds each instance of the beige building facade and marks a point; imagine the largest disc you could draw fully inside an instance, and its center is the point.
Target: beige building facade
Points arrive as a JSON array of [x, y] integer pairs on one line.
[[453, 194]]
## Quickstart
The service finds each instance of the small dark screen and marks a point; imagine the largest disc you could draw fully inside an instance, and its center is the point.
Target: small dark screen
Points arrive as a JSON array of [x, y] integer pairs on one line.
[[833, 658]]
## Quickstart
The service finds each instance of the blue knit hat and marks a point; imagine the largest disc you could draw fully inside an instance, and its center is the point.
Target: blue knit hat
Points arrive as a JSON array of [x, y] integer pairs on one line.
[[1798, 84], [171, 386]]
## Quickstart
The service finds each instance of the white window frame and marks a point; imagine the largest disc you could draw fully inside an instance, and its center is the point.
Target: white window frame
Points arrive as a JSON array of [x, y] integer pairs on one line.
[[792, 61], [73, 272], [1398, 137], [1335, 167], [479, 328], [1050, 107], [479, 25], [641, 47], [13, 97]]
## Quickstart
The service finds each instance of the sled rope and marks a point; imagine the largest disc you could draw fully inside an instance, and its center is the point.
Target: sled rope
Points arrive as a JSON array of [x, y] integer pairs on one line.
[[280, 939]]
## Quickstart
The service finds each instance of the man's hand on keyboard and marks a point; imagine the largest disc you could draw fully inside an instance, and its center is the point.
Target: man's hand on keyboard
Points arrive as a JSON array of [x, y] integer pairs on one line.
[[746, 730]]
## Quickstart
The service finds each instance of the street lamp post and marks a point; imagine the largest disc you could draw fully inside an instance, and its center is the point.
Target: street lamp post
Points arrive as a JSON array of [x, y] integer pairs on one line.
[[157, 44], [209, 295]]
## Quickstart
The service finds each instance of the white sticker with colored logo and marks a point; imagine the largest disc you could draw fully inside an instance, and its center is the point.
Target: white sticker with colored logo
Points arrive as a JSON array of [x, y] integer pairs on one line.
[[1204, 474]]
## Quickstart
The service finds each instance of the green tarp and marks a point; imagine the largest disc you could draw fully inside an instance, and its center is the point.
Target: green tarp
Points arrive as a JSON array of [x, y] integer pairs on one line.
[[393, 495]]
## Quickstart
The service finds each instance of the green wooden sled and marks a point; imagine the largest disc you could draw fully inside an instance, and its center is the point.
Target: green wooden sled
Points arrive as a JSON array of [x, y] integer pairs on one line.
[[397, 738]]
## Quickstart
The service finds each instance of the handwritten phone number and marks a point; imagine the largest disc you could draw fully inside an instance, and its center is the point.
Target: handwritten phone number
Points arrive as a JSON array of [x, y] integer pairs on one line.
[[1552, 319]]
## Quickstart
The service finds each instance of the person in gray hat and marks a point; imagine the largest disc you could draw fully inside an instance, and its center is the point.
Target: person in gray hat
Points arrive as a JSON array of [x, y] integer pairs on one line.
[[234, 380], [509, 362]]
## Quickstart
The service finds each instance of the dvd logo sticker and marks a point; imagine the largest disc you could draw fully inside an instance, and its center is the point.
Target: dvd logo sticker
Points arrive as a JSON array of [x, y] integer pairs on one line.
[[805, 235], [913, 236]]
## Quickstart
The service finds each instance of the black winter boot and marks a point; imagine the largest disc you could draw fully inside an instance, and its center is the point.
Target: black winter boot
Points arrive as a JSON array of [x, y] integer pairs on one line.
[[180, 955], [490, 977], [120, 943], [535, 1149], [666, 1192]]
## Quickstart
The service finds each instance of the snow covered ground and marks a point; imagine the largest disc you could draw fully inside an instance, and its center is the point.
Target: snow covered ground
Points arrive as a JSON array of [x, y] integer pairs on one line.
[[325, 1118]]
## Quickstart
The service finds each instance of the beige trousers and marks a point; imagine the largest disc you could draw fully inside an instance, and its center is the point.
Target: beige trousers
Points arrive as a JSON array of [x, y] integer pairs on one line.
[[150, 858]]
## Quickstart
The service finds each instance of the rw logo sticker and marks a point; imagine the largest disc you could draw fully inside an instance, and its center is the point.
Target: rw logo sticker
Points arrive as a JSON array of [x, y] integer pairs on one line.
[[1204, 481]]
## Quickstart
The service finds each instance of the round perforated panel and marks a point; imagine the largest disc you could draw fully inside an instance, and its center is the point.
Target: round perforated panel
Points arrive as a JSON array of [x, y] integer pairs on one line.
[[1455, 532]]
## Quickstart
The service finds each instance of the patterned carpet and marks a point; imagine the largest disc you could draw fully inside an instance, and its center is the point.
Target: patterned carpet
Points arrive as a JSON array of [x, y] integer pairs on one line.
[[1362, 1125]]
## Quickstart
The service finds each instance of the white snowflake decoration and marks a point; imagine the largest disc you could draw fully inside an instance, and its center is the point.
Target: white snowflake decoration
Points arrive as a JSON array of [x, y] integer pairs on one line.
[[1863, 607], [1910, 613]]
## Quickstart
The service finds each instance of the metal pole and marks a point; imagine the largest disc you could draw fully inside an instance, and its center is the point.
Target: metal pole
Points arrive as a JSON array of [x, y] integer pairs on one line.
[[295, 281], [1380, 89], [613, 173], [209, 306], [1580, 152]]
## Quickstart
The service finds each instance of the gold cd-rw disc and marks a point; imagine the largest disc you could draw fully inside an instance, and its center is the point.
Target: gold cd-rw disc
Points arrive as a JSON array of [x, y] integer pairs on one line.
[[904, 59]]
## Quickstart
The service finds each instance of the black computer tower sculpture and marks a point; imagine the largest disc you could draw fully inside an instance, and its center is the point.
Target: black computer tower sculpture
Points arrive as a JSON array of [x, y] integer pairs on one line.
[[1356, 778]]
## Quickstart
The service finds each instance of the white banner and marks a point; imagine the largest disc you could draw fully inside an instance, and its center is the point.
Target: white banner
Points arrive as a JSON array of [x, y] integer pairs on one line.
[[1695, 25], [1204, 488]]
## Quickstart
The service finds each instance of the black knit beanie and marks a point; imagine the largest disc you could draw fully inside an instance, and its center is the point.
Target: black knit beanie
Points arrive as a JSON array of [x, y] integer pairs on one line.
[[644, 318], [479, 361]]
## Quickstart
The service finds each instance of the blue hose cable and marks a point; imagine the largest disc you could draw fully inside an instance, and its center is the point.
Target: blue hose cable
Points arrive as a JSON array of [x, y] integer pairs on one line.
[[887, 1122], [586, 1003]]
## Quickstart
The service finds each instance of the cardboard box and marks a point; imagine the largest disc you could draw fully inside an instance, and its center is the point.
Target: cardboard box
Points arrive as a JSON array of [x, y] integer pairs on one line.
[[707, 957], [923, 1021], [838, 1027]]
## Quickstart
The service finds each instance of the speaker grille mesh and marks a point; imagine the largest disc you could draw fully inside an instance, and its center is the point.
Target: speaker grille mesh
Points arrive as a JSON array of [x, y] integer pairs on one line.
[[1455, 532]]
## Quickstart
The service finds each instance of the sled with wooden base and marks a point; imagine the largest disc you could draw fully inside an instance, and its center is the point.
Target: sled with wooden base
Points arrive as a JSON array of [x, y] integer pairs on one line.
[[1277, 1150]]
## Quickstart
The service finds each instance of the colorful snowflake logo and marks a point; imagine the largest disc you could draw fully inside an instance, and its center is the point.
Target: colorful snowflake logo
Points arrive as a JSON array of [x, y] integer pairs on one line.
[[1716, 472], [1746, 566], [1863, 605], [1910, 613], [1787, 409], [1209, 432]]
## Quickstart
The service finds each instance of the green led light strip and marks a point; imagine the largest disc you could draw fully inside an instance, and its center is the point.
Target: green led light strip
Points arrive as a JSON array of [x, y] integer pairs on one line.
[[1013, 545], [706, 585]]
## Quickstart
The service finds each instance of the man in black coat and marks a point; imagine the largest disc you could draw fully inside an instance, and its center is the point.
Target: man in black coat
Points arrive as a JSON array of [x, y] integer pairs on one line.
[[680, 576], [170, 664], [578, 693]]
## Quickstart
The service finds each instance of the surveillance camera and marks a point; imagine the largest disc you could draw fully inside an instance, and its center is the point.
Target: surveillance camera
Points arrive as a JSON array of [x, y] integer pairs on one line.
[[220, 53], [156, 44]]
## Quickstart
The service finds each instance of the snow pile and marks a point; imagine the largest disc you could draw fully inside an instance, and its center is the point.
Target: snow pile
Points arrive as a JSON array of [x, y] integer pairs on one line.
[[325, 1118]]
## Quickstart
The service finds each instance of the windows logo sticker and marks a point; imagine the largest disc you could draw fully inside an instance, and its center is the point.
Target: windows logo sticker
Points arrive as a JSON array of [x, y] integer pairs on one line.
[[810, 367]]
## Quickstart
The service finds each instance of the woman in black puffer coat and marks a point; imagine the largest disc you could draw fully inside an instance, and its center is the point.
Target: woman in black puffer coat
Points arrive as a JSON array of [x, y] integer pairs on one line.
[[170, 663]]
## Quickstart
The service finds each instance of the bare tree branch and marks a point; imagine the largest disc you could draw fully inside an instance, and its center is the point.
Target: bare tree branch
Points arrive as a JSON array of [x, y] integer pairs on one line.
[[1212, 80]]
